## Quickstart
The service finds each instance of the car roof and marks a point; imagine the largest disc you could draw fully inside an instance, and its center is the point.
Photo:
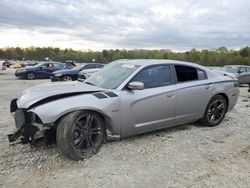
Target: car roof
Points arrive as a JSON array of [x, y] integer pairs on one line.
[[146, 62], [236, 66], [53, 62]]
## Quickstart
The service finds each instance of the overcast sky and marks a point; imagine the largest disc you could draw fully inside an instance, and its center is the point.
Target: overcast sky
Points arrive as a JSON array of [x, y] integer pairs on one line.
[[149, 24]]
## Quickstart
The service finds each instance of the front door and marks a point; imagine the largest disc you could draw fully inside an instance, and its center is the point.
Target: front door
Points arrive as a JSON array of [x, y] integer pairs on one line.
[[152, 107]]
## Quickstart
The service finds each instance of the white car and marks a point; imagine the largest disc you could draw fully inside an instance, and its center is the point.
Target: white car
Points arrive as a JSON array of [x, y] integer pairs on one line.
[[2, 67]]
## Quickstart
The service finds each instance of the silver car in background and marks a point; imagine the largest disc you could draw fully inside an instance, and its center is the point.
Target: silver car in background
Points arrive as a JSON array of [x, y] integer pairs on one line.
[[242, 72], [127, 97], [2, 67]]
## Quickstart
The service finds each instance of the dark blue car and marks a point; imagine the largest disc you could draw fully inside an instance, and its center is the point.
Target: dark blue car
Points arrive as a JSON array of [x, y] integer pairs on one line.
[[72, 74], [41, 70]]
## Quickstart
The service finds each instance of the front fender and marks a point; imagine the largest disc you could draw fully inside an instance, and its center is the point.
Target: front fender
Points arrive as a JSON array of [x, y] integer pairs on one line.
[[108, 107]]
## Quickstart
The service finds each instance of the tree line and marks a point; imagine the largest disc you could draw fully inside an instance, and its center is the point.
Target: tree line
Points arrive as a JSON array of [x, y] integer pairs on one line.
[[216, 57]]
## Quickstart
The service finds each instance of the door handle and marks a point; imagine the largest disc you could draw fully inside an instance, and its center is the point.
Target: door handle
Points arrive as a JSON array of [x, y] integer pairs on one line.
[[208, 87], [170, 95]]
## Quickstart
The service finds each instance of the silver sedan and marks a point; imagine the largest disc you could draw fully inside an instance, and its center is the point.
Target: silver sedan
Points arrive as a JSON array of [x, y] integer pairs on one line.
[[127, 97]]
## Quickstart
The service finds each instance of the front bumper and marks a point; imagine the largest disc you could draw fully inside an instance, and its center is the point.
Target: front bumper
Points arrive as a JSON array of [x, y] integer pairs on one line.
[[55, 78], [81, 77], [26, 127], [20, 74]]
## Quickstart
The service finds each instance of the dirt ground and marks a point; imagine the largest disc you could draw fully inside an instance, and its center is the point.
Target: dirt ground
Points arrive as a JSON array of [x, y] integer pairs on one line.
[[186, 156]]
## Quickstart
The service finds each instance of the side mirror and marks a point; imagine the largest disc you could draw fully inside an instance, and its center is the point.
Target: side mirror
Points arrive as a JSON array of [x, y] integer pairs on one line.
[[136, 85]]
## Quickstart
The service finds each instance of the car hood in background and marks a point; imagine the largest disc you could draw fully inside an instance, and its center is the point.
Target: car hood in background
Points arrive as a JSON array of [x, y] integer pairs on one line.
[[66, 71], [53, 91]]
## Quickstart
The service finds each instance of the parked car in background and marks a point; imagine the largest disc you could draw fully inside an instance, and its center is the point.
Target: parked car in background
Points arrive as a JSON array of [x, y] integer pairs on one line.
[[70, 63], [72, 74], [41, 70], [6, 63], [2, 67], [125, 98], [236, 69], [16, 65], [84, 74], [242, 72], [28, 63]]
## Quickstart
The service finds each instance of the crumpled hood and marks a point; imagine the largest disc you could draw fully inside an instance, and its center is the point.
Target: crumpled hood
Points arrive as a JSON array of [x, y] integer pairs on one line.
[[63, 89]]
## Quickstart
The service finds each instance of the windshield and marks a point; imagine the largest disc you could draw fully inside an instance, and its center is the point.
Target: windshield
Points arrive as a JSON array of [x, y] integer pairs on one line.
[[112, 75], [230, 69], [39, 64]]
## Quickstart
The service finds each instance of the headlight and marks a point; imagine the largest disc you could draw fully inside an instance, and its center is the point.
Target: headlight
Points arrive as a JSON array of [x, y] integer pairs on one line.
[[57, 75], [33, 118]]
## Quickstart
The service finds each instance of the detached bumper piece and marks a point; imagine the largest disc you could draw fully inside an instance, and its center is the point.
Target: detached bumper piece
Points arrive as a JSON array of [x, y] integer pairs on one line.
[[27, 134], [13, 137]]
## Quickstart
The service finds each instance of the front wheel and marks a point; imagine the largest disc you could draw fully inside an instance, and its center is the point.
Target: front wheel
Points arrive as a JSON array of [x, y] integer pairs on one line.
[[31, 76], [67, 78], [80, 134], [215, 111]]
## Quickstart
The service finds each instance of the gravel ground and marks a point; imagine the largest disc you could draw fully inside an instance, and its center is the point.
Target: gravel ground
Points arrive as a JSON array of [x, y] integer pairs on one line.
[[185, 156]]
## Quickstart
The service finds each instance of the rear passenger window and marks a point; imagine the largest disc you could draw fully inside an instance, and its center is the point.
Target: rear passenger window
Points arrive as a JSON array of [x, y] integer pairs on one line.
[[248, 69], [201, 75], [186, 73]]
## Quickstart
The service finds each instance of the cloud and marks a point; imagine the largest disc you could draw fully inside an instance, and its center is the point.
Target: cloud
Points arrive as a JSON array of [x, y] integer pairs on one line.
[[96, 24]]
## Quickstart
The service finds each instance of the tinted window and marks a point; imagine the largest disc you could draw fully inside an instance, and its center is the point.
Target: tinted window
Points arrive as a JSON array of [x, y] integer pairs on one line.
[[99, 66], [57, 65], [155, 76], [91, 66], [242, 69], [186, 73], [201, 75], [248, 69], [48, 65]]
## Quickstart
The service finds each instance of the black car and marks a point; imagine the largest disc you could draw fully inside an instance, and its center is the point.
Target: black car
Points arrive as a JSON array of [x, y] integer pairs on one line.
[[72, 74], [41, 70]]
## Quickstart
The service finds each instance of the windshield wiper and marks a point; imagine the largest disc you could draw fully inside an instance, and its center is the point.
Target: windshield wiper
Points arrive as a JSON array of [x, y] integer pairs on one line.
[[89, 83]]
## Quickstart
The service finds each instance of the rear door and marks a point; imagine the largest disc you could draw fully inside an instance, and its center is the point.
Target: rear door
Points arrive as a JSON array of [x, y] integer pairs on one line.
[[151, 108], [193, 92]]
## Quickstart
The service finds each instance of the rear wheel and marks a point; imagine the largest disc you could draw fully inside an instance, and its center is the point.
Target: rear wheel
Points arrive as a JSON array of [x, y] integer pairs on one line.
[[80, 134], [215, 111], [31, 76], [67, 78]]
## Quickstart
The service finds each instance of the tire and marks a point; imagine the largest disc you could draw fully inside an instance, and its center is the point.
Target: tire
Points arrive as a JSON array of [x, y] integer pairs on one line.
[[67, 78], [215, 111], [30, 76], [80, 134]]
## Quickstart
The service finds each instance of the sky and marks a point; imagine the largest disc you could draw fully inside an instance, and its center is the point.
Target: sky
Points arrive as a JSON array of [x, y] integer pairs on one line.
[[125, 24]]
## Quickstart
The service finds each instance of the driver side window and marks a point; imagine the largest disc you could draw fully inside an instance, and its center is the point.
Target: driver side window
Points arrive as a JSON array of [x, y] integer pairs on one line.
[[154, 76]]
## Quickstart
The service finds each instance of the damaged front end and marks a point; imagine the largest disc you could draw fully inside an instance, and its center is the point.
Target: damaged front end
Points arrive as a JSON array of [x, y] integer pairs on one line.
[[28, 125]]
